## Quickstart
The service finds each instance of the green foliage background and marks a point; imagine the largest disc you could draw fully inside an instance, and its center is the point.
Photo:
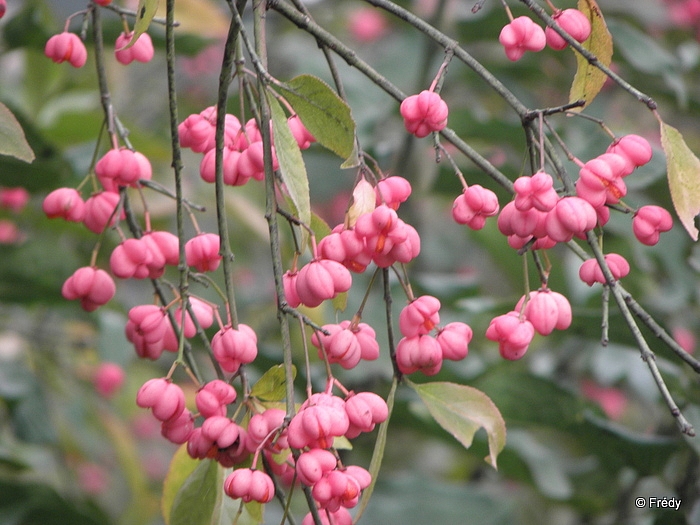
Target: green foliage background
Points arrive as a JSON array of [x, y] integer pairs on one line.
[[565, 460]]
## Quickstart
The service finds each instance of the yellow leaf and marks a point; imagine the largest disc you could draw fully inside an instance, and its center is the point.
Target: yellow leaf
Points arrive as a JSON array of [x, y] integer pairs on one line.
[[589, 80], [683, 169]]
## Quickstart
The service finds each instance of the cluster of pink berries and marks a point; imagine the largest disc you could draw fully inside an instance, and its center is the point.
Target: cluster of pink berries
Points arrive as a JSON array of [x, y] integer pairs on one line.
[[243, 147], [522, 34]]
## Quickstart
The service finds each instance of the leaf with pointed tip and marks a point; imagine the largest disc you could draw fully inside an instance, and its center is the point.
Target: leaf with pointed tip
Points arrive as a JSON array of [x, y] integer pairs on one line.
[[589, 80], [683, 169], [12, 139], [144, 14]]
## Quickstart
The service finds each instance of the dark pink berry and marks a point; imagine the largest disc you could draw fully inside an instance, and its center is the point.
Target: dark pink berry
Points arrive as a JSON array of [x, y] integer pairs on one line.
[[649, 222]]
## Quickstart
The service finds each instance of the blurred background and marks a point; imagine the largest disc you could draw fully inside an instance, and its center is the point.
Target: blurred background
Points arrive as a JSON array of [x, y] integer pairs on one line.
[[587, 430]]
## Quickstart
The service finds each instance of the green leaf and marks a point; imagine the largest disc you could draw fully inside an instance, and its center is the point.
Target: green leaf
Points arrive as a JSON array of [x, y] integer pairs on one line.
[[291, 162], [144, 14], [589, 80], [12, 139], [272, 385], [181, 466], [683, 169], [462, 410], [323, 112], [199, 500]]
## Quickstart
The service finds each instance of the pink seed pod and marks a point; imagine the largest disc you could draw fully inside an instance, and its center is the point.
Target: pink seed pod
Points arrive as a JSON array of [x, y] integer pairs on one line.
[[202, 252], [289, 282], [634, 148], [249, 485], [164, 250], [232, 347], [405, 246], [14, 199], [263, 427], [222, 431], [341, 488], [367, 24], [454, 340], [419, 316], [319, 419], [231, 175], [340, 347], [302, 136], [546, 310], [392, 191], [573, 22], [65, 203], [131, 259], [474, 205], [321, 279], [148, 321], [419, 353], [212, 399], [251, 163], [649, 222], [365, 410], [571, 216], [521, 35], [178, 430], [345, 247], [196, 133], [341, 516], [141, 50], [535, 192], [380, 230], [590, 271], [163, 397], [66, 47], [108, 379], [424, 113], [99, 211], [93, 286], [312, 465], [512, 333]]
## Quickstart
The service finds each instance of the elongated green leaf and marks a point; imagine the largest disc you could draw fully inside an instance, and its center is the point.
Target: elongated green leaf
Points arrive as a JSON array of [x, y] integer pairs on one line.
[[181, 466], [683, 169], [144, 14], [462, 410], [323, 112], [199, 500], [12, 139], [589, 80], [291, 162], [272, 385]]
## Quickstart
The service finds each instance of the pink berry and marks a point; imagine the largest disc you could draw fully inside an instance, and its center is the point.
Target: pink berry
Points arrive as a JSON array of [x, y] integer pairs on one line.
[[571, 21], [249, 485], [367, 24], [65, 203], [14, 199], [590, 271], [474, 205], [572, 216], [634, 148], [341, 516], [251, 163], [535, 192], [233, 347], [93, 286], [123, 167], [66, 47], [202, 252], [454, 340], [364, 410], [164, 250], [100, 211], [130, 259], [141, 50], [3, 7], [392, 191], [521, 35], [103, 2], [321, 279], [299, 132], [424, 113], [108, 379], [319, 419], [203, 312], [178, 430], [546, 310], [313, 464], [419, 353], [163, 397], [231, 174], [212, 398], [512, 333], [649, 222], [289, 283], [419, 316], [346, 247]]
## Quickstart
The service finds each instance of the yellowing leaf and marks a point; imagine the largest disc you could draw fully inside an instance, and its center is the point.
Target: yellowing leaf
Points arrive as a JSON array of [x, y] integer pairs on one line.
[[12, 139], [272, 385], [144, 14], [589, 80], [683, 169], [462, 410], [364, 200]]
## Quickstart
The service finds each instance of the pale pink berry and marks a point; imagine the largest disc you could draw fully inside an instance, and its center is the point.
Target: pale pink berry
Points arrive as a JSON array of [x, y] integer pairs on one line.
[[249, 485], [380, 230], [313, 464], [600, 179], [590, 271], [14, 199], [649, 222], [302, 136], [163, 397], [454, 340], [572, 216], [231, 174], [164, 250], [571, 21], [535, 192], [198, 131], [264, 427], [66, 47], [365, 410], [130, 259], [233, 347], [347, 343], [346, 247], [321, 279], [367, 24], [419, 353], [521, 35], [179, 429], [123, 167], [635, 148], [341, 488], [320, 418], [141, 50], [424, 113], [92, 286], [65, 203], [474, 205], [100, 211], [108, 379], [341, 516], [251, 163], [147, 322], [419, 316], [392, 191], [212, 399], [403, 251], [222, 431], [512, 333], [289, 283], [546, 310], [202, 252]]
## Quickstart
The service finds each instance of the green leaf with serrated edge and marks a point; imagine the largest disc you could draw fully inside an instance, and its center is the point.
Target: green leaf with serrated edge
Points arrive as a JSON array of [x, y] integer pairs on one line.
[[589, 80], [199, 500], [683, 169], [181, 466], [272, 385], [378, 455], [144, 14], [323, 112], [462, 410], [12, 139], [291, 162]]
